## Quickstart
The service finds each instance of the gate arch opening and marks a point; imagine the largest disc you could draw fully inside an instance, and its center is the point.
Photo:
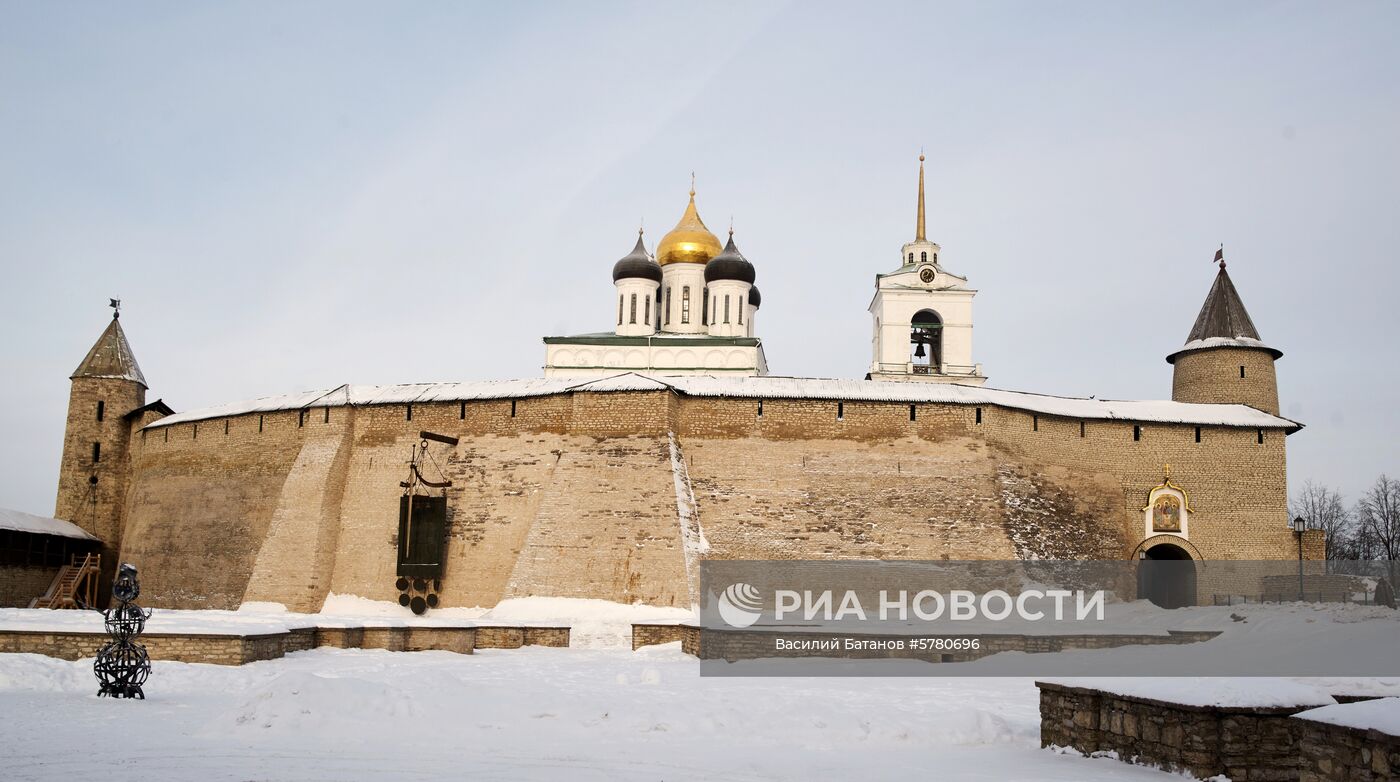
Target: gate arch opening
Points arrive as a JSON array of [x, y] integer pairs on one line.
[[1166, 575]]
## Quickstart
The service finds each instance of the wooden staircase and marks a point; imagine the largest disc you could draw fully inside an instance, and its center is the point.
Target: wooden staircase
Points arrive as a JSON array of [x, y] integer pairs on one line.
[[75, 586]]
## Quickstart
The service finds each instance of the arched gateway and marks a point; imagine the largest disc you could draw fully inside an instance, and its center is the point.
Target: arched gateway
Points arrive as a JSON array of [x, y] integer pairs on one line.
[[1166, 575]]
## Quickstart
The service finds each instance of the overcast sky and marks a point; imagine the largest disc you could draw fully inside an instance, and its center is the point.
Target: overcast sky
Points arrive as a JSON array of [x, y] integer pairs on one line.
[[291, 196]]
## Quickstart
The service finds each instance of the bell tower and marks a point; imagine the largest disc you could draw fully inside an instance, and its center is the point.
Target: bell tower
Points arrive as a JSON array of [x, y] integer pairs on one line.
[[106, 387], [922, 316]]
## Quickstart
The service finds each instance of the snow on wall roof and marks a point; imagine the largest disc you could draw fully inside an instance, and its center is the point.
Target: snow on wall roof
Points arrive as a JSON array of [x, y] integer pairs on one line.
[[1223, 342], [1382, 714], [1245, 692], [755, 388], [20, 521]]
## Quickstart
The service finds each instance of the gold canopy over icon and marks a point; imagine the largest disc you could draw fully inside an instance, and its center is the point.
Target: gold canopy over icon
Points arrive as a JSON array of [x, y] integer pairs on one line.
[[690, 241]]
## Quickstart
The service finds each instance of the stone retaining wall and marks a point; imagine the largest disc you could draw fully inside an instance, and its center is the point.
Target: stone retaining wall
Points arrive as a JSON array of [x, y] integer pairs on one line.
[[180, 647], [500, 637], [657, 634], [1241, 743], [233, 649], [1333, 753]]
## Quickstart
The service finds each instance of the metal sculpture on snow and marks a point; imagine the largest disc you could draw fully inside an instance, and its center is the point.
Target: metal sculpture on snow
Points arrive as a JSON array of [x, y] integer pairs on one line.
[[122, 665]]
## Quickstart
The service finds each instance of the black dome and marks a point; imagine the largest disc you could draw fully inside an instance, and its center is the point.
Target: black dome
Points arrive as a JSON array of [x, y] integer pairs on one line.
[[755, 300], [730, 264], [637, 264]]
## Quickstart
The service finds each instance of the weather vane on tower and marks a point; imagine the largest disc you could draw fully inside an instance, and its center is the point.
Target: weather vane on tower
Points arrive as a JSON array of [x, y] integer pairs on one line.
[[116, 305]]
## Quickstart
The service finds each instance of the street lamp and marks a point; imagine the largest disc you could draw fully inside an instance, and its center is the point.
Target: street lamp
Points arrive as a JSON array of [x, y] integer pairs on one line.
[[1298, 525]]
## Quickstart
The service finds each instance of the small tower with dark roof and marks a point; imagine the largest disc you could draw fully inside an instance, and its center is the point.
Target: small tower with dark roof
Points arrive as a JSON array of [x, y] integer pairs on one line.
[[728, 281], [637, 278], [1224, 360], [106, 388]]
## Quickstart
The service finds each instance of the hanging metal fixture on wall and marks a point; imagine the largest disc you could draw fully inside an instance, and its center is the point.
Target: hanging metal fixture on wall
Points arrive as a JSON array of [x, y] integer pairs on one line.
[[122, 665], [422, 529]]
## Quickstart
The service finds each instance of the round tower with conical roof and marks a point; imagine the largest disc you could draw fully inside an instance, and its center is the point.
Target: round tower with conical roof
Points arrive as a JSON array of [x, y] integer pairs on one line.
[[1224, 361], [106, 403]]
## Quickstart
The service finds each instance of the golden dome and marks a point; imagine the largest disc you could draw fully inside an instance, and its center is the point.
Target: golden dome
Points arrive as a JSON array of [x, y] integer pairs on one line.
[[690, 241]]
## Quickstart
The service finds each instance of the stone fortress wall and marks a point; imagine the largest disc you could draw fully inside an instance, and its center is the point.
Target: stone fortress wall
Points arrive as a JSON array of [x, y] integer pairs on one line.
[[589, 493]]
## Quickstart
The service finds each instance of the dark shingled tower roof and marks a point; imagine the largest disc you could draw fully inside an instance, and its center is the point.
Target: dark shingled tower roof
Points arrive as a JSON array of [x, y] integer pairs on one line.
[[1223, 317], [1223, 314], [111, 358]]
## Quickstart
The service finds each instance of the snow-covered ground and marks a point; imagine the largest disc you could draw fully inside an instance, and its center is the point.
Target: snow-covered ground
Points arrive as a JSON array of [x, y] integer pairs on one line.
[[530, 713], [593, 711]]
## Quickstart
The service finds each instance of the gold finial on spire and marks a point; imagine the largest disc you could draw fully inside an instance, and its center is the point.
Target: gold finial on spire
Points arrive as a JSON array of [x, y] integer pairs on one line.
[[919, 228], [1167, 470], [692, 185]]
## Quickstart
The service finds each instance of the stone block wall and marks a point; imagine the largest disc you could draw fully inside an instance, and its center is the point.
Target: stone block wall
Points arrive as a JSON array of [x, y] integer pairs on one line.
[[1213, 376], [201, 504], [235, 649], [190, 648], [340, 637], [21, 583], [461, 640], [93, 494], [1333, 753], [501, 637], [657, 634], [574, 494], [1243, 744], [390, 638], [557, 637]]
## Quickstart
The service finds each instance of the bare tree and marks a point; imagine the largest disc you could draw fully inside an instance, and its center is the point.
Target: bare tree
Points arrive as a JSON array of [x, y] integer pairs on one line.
[[1378, 518], [1323, 509], [1378, 525]]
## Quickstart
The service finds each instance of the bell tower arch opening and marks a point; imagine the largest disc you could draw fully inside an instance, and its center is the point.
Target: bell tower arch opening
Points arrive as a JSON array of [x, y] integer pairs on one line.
[[926, 342]]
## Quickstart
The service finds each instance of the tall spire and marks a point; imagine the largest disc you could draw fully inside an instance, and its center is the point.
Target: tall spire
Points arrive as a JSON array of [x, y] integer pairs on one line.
[[919, 234]]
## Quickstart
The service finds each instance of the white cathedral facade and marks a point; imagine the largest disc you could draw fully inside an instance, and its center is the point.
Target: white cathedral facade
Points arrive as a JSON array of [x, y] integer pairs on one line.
[[690, 310]]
